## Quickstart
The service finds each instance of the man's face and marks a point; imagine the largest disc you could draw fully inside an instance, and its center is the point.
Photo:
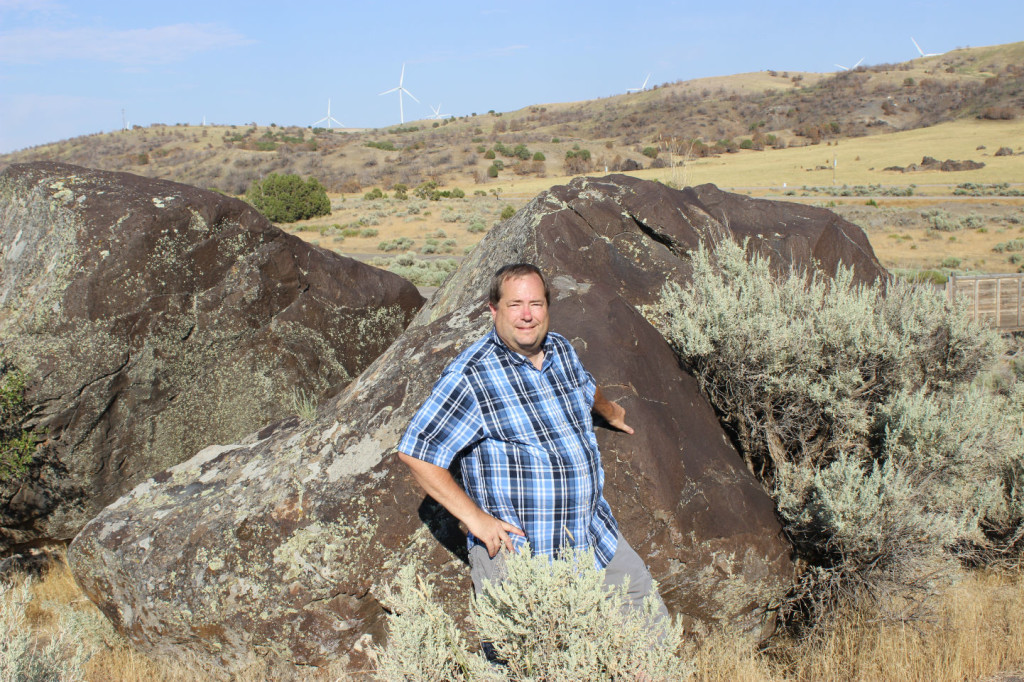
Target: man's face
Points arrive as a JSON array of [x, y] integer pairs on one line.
[[521, 316]]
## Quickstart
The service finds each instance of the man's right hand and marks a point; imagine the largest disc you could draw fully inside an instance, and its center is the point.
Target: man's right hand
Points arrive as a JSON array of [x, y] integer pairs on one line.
[[440, 485], [492, 531]]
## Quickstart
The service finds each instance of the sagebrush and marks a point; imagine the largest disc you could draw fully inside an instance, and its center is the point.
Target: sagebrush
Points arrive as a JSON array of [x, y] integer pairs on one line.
[[547, 620], [856, 405]]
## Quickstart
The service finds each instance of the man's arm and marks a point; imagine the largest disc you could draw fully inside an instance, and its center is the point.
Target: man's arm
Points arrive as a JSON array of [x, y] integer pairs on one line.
[[439, 484], [613, 413]]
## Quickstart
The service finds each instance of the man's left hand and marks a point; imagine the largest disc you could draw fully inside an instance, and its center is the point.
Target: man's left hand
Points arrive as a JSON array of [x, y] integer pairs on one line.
[[613, 413], [618, 419]]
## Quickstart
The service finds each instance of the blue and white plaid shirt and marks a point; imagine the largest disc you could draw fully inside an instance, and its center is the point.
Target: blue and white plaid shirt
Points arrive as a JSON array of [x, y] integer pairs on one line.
[[526, 436]]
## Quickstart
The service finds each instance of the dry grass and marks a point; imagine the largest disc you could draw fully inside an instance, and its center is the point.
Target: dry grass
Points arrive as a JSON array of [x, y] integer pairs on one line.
[[974, 630], [861, 160]]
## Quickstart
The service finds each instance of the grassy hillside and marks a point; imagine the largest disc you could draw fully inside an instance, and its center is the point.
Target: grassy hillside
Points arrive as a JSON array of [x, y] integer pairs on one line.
[[766, 133]]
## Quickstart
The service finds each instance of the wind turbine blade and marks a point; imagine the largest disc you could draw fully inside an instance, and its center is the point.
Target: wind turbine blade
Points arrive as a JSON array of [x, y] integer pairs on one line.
[[402, 77], [410, 94], [920, 51], [842, 67], [858, 63], [387, 91], [645, 81]]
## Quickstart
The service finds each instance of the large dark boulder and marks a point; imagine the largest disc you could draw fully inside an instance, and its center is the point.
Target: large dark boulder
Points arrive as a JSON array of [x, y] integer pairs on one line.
[[279, 544], [153, 319]]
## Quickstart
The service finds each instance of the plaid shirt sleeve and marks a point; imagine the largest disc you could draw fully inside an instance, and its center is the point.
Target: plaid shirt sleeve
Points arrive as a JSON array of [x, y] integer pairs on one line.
[[448, 422]]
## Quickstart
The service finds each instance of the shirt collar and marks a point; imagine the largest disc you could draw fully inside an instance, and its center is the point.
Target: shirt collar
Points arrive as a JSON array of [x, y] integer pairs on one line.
[[493, 337]]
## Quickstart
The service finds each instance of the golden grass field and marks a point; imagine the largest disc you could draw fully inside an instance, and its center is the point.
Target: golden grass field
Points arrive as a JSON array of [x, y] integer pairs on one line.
[[900, 238], [973, 631]]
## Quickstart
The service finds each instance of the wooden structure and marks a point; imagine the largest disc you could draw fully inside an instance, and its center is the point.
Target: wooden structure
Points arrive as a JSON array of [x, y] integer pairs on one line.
[[997, 300]]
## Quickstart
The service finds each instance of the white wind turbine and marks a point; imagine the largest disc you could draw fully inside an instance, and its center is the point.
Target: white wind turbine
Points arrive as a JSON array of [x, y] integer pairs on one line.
[[328, 118], [852, 68], [922, 52], [642, 87], [437, 112], [400, 89]]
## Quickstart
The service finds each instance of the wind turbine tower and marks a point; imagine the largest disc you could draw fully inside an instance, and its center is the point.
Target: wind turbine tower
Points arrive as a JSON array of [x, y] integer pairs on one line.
[[400, 89], [642, 87], [328, 118], [922, 52], [852, 68]]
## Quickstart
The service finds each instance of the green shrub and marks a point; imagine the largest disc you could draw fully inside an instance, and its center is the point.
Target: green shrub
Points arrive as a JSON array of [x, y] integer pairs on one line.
[[476, 225], [374, 193], [492, 171], [539, 156], [287, 198], [489, 154], [1012, 245], [855, 406], [746, 143], [387, 146], [368, 232], [651, 152], [507, 212], [951, 262], [17, 444], [398, 244], [933, 277], [547, 620], [423, 273]]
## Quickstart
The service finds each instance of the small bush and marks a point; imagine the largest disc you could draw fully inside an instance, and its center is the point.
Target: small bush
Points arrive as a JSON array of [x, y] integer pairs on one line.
[[287, 198], [1010, 246], [398, 244], [547, 620], [423, 273], [374, 193], [651, 152], [22, 657], [507, 212], [17, 444]]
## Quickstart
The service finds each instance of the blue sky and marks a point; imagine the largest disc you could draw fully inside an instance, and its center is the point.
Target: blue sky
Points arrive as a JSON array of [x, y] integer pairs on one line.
[[68, 68]]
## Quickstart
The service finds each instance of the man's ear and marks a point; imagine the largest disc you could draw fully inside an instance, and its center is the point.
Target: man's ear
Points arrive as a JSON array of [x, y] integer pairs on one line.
[[494, 311]]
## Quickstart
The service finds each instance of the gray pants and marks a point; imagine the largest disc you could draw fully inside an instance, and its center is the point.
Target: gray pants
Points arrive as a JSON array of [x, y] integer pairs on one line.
[[626, 562]]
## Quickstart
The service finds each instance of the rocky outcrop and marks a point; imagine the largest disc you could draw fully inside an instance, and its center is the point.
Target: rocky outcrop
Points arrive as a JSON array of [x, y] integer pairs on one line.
[[153, 319], [278, 544], [929, 163]]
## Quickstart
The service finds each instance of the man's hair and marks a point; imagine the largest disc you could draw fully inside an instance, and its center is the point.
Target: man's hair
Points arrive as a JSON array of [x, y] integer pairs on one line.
[[515, 271]]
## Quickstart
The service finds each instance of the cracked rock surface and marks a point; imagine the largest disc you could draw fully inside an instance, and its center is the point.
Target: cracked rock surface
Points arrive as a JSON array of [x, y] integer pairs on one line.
[[277, 545], [153, 319]]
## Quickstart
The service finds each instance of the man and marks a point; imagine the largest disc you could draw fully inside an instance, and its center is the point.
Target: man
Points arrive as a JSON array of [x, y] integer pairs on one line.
[[516, 406]]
